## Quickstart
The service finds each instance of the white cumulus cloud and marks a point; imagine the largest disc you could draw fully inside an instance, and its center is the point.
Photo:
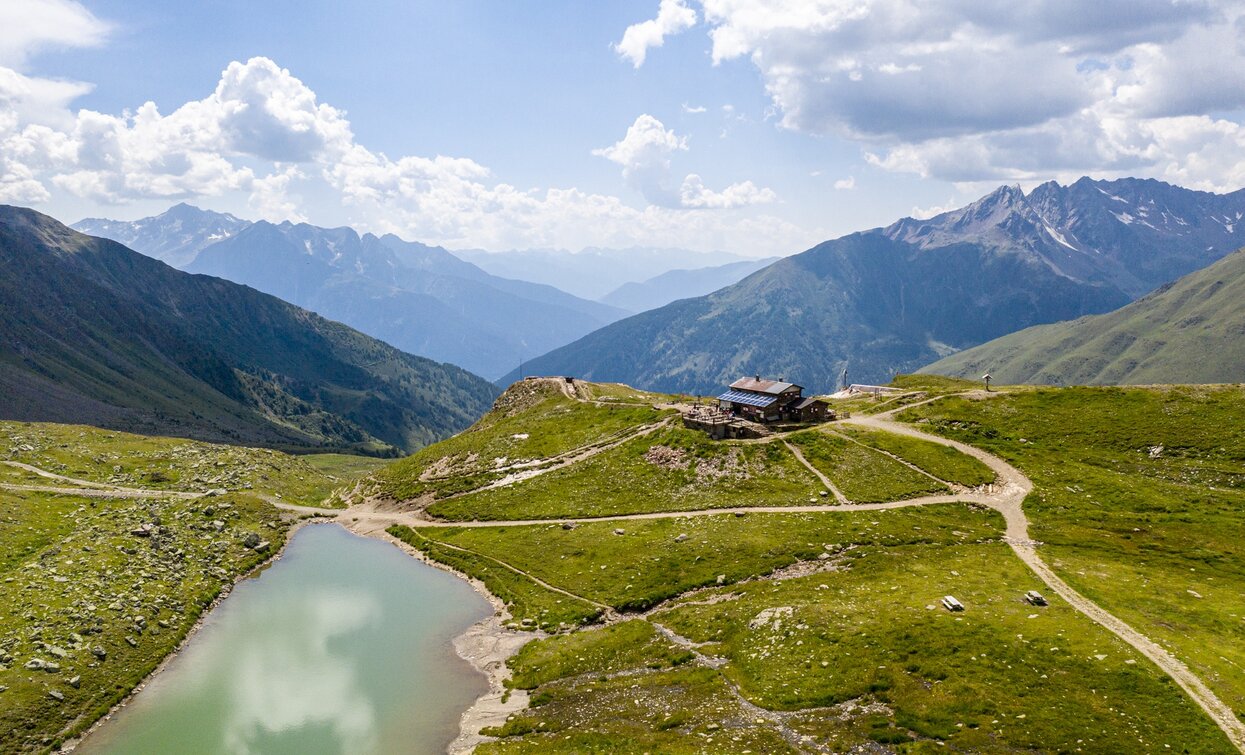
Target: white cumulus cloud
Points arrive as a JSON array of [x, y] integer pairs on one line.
[[694, 193], [264, 139], [33, 25], [644, 154], [673, 17], [970, 91]]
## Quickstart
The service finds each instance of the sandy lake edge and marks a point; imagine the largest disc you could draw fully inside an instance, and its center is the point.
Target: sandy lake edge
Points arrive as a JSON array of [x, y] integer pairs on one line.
[[486, 646]]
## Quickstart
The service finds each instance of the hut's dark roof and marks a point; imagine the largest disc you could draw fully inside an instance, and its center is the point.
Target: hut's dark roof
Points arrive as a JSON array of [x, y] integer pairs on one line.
[[762, 385]]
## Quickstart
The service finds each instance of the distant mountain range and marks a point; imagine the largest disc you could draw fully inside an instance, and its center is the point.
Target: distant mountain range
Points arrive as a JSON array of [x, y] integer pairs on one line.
[[892, 299], [419, 298], [593, 272], [92, 332], [175, 236], [1191, 331], [681, 284]]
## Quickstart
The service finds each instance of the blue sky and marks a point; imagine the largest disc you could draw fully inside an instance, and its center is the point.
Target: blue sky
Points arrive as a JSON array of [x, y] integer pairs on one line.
[[510, 125]]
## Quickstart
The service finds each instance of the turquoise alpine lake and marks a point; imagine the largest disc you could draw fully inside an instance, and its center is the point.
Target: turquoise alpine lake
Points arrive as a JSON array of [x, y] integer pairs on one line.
[[344, 645]]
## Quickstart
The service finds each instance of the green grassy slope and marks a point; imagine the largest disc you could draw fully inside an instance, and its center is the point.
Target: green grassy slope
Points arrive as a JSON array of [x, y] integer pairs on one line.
[[1192, 331], [1139, 501], [99, 334], [126, 460]]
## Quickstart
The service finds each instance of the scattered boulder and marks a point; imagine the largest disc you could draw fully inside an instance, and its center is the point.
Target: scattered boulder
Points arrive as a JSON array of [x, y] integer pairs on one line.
[[568, 525], [682, 536], [38, 664], [75, 682], [667, 458], [143, 530], [771, 617], [251, 540], [57, 696], [620, 531], [99, 652]]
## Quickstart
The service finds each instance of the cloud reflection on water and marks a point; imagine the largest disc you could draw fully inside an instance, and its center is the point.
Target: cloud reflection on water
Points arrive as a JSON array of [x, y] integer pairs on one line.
[[283, 682]]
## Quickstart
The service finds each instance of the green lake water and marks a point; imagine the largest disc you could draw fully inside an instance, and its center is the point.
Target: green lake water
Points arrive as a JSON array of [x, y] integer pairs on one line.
[[342, 646]]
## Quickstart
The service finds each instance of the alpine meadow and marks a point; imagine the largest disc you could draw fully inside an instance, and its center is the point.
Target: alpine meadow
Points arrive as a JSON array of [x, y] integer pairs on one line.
[[676, 376]]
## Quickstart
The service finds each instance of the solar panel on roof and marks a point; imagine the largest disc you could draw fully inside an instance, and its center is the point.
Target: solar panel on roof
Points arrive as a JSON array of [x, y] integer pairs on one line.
[[747, 399]]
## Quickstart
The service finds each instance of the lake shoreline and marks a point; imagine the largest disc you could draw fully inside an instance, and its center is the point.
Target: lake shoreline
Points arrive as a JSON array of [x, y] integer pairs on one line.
[[486, 646], [72, 744]]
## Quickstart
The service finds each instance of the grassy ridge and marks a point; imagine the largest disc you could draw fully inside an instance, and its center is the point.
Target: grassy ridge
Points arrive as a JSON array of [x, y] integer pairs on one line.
[[671, 470], [1140, 496], [533, 420]]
